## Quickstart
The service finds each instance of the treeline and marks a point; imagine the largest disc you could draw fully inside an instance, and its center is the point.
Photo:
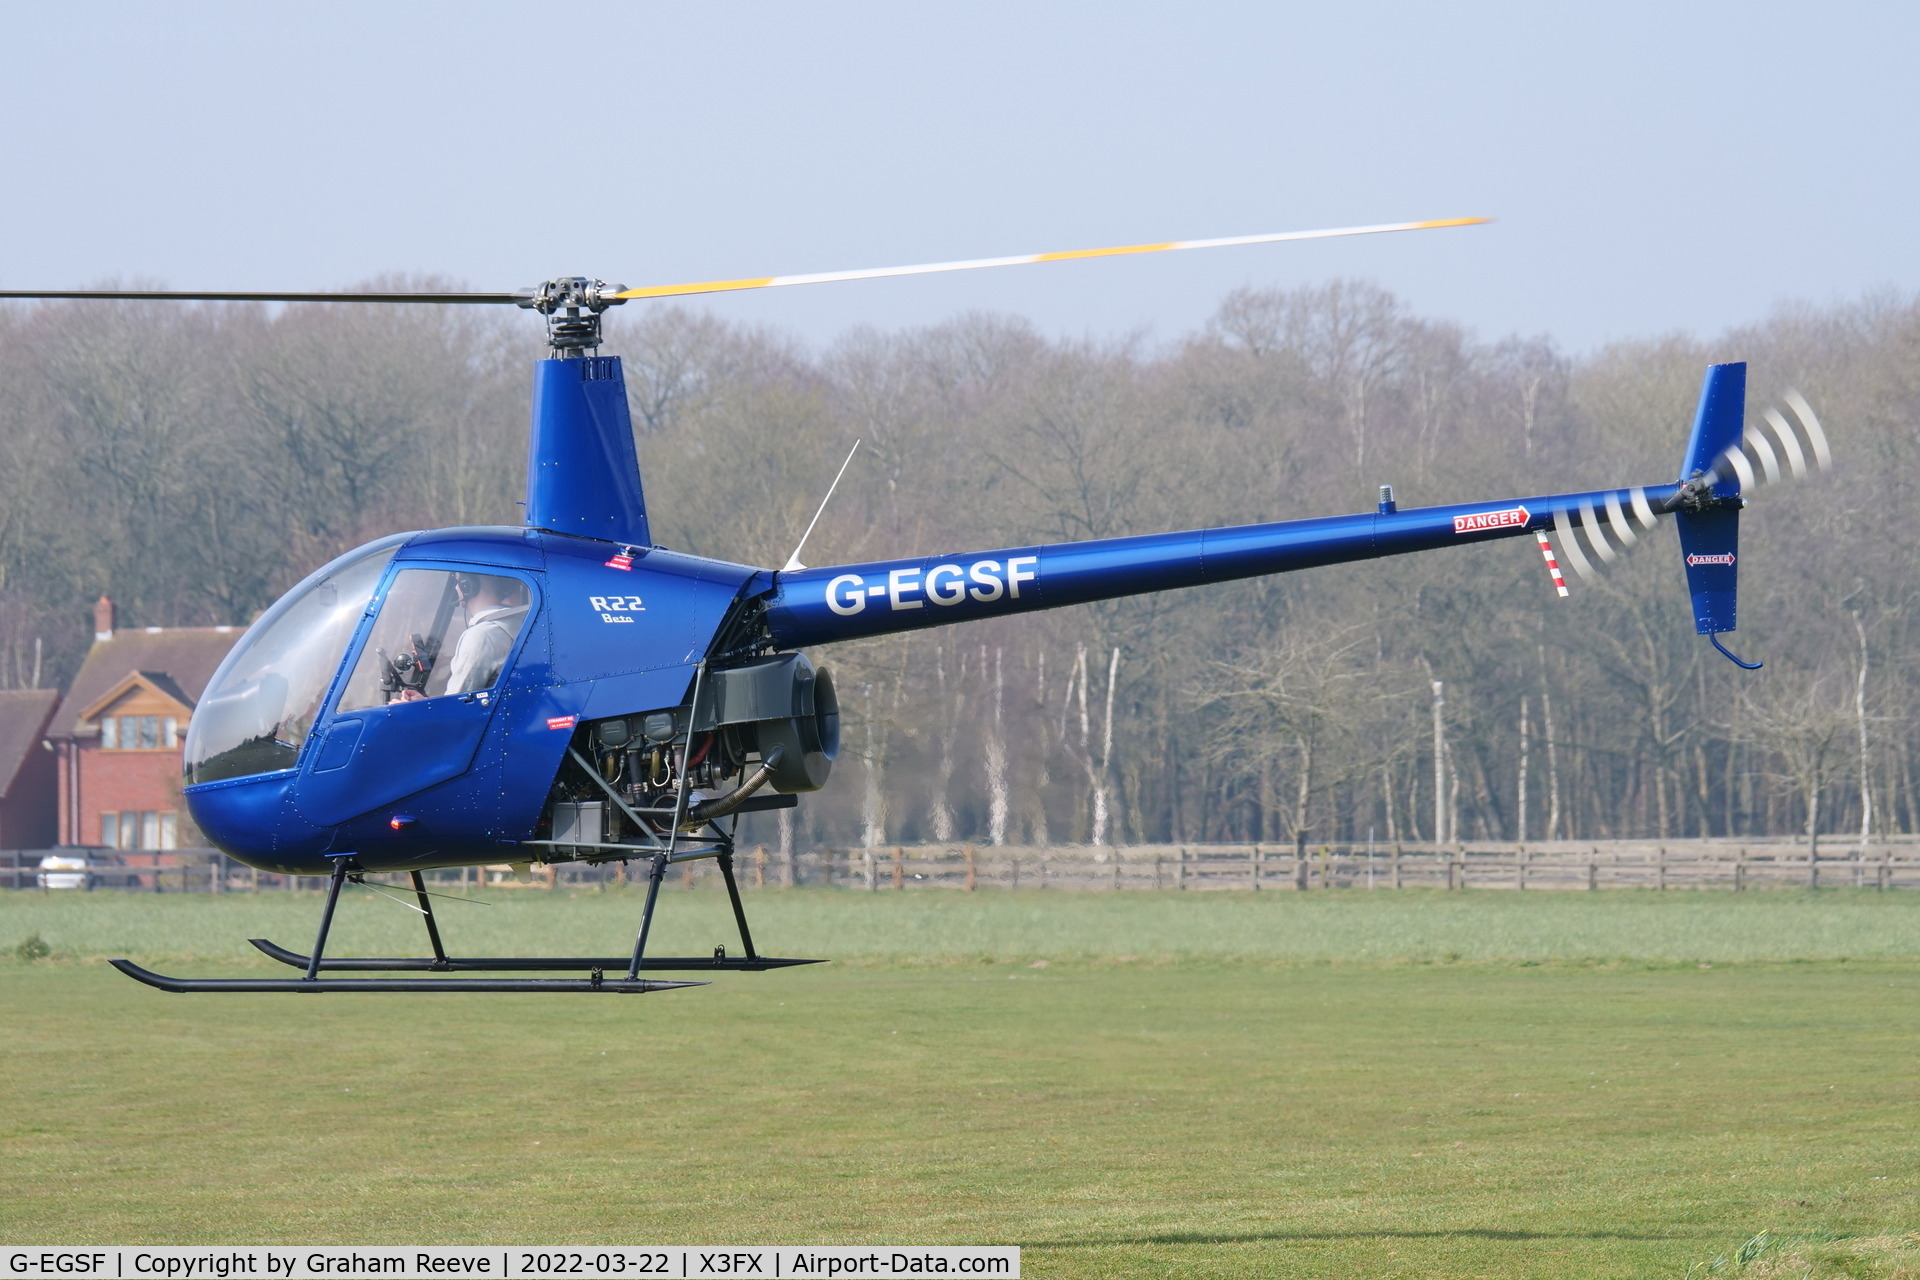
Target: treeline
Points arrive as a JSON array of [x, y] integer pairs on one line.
[[194, 461]]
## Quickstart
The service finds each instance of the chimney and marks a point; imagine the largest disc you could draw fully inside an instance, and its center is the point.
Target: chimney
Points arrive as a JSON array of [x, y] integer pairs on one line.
[[102, 619]]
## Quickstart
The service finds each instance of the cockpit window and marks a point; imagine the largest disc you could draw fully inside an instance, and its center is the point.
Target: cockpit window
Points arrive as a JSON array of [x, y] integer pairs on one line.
[[260, 704], [439, 632]]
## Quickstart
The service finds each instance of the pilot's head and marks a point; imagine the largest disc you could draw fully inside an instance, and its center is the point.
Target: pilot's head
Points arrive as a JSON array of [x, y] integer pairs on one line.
[[487, 591]]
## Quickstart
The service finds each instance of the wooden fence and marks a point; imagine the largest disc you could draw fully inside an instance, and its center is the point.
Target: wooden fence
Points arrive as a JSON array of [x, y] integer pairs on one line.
[[1673, 864], [1893, 863]]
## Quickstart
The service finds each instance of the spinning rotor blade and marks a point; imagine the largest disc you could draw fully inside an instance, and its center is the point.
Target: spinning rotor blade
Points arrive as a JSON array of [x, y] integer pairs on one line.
[[168, 295], [931, 268], [1593, 523], [1581, 565], [1811, 424], [574, 294], [1755, 461]]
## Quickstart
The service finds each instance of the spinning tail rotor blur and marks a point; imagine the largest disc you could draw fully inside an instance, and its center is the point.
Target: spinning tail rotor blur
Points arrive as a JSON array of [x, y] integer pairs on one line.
[[1726, 461]]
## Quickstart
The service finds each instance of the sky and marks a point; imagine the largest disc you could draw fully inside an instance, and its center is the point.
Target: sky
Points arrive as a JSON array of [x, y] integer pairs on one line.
[[1653, 167]]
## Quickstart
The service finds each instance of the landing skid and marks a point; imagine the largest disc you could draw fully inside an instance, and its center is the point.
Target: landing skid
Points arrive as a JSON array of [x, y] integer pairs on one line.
[[626, 969], [506, 964], [315, 986]]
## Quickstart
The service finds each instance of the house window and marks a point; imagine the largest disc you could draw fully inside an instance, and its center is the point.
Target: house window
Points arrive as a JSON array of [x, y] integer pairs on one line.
[[144, 829], [139, 733]]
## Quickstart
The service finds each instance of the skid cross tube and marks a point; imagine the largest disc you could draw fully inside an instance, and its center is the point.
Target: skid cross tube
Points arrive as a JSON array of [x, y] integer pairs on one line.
[[326, 917], [733, 896], [433, 929], [654, 877]]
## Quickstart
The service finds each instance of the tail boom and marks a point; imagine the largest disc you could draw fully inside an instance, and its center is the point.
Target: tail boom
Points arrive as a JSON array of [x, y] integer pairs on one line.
[[846, 602]]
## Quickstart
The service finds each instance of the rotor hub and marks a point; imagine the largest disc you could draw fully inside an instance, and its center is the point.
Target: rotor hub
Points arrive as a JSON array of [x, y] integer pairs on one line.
[[572, 306]]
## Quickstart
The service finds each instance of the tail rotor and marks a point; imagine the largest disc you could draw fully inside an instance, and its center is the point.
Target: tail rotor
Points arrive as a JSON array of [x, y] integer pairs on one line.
[[1726, 461]]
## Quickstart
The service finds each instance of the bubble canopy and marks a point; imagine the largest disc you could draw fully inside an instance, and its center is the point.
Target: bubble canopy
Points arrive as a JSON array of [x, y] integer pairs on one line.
[[261, 703]]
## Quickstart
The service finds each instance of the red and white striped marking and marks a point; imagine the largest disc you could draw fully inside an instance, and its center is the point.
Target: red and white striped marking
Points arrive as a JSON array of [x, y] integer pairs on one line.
[[1553, 566]]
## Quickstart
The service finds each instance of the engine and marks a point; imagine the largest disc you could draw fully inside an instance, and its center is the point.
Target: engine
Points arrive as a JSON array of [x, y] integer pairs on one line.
[[761, 731]]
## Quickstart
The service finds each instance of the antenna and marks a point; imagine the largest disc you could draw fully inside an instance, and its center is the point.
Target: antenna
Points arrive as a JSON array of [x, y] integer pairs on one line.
[[793, 561]]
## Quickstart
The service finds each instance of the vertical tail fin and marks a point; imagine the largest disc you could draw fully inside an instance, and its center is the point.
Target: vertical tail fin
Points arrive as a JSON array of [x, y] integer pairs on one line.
[[1710, 524]]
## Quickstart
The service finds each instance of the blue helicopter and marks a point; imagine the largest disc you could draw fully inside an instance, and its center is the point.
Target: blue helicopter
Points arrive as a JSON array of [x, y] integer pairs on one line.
[[568, 691]]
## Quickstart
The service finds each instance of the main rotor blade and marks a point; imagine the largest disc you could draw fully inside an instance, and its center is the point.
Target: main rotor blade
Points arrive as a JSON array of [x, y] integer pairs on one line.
[[168, 295], [973, 264]]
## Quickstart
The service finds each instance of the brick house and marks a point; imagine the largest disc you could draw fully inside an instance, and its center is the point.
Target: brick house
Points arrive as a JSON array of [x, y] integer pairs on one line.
[[28, 808], [119, 735]]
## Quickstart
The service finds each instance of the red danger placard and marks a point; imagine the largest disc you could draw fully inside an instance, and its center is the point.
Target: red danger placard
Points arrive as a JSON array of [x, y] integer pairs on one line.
[[1511, 518]]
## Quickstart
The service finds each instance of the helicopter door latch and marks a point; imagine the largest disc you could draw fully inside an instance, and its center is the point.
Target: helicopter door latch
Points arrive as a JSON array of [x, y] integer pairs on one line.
[[480, 696]]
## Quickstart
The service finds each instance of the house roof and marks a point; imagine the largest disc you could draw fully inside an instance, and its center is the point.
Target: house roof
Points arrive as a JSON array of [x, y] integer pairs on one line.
[[157, 682], [177, 660], [23, 723]]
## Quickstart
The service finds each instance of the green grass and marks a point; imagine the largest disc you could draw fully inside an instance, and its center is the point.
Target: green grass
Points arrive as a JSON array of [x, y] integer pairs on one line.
[[1349, 927], [1275, 1086]]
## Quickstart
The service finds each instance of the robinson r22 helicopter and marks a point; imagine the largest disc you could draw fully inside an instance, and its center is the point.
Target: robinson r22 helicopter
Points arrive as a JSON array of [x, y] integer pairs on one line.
[[568, 691]]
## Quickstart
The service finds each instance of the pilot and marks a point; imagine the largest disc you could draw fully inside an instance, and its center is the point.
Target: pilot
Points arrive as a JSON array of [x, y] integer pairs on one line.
[[495, 609]]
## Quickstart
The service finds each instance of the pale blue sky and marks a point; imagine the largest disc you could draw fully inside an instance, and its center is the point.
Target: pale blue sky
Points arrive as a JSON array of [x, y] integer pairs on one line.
[[1655, 167]]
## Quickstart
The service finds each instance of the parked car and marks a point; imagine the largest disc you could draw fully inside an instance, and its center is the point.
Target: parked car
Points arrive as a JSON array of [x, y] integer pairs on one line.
[[61, 871]]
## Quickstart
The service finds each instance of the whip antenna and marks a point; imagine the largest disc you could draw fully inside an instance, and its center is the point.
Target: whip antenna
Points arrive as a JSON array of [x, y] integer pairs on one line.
[[793, 561]]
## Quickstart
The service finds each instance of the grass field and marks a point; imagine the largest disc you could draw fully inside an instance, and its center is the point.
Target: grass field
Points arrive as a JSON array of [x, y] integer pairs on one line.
[[1394, 1084]]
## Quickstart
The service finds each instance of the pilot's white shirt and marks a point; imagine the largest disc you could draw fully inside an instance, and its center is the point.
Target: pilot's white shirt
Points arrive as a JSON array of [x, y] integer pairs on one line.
[[482, 648]]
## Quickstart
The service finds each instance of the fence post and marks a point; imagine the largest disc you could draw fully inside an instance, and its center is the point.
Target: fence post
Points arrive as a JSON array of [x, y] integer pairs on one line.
[[1395, 864], [1253, 866], [1300, 861], [899, 867], [1813, 865], [1660, 873], [1886, 868], [1740, 870], [1180, 870], [1115, 851], [970, 869], [1593, 868]]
